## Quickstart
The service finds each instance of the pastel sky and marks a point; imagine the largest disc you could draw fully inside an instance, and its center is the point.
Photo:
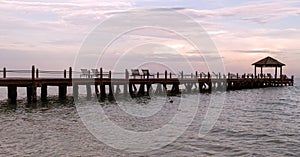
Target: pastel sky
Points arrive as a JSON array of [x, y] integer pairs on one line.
[[49, 33]]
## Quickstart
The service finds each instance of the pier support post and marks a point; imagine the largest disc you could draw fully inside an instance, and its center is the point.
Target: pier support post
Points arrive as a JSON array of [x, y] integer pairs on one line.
[[111, 90], [158, 90], [125, 85], [175, 89], [142, 89], [130, 89], [75, 92], [149, 89], [276, 72], [31, 94], [165, 89], [102, 91], [209, 86], [88, 92], [118, 90], [201, 87], [125, 89], [12, 94], [62, 91], [44, 93], [97, 90], [189, 87], [126, 74]]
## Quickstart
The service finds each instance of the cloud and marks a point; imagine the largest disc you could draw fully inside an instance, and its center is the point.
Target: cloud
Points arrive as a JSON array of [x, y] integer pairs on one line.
[[258, 51], [257, 12], [75, 4], [55, 26], [73, 12]]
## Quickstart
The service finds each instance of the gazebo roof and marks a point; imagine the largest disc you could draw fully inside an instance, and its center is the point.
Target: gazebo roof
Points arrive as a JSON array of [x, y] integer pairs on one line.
[[268, 62]]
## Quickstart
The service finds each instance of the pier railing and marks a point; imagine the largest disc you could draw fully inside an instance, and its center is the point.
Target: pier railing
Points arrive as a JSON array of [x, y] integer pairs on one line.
[[36, 73]]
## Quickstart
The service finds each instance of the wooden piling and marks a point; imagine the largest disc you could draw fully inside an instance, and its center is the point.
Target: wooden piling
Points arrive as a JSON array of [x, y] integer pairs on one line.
[[44, 93], [70, 72], [158, 90], [12, 94], [33, 72], [118, 90], [111, 90], [62, 92], [126, 74], [125, 89], [175, 89], [165, 89], [34, 93], [75, 91], [65, 73], [142, 89], [125, 85], [130, 88], [88, 92], [102, 91], [149, 89], [101, 73], [37, 73], [188, 87], [31, 94], [97, 90], [4, 72], [166, 74]]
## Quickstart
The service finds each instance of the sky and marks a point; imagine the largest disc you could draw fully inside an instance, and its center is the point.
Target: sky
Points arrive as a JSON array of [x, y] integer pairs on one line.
[[50, 33]]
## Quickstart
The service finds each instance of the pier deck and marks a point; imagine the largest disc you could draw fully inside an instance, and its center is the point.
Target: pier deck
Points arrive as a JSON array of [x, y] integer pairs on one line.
[[133, 86]]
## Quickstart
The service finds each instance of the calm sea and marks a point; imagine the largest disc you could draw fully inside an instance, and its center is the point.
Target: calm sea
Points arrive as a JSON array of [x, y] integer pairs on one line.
[[256, 122]]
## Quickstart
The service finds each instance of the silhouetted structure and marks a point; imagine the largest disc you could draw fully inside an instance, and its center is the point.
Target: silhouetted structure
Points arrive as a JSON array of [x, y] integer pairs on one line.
[[268, 62], [160, 84]]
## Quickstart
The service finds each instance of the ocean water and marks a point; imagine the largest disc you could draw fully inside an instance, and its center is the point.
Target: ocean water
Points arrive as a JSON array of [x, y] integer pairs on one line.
[[256, 122]]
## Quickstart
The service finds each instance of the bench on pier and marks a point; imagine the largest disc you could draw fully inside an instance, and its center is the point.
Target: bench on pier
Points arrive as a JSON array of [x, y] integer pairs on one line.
[[146, 73], [85, 73], [95, 73], [135, 72], [269, 76], [202, 74], [232, 76], [284, 77]]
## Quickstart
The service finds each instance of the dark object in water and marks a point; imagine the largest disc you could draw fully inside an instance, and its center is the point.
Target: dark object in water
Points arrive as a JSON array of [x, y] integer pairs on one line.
[[170, 100]]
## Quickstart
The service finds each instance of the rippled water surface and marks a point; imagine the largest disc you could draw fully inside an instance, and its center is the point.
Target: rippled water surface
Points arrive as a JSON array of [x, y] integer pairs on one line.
[[257, 122]]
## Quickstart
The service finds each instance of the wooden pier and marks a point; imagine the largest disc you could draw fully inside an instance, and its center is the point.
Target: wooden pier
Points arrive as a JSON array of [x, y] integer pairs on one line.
[[132, 84]]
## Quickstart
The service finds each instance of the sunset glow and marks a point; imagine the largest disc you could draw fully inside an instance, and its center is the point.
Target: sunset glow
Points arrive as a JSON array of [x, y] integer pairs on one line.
[[49, 33]]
